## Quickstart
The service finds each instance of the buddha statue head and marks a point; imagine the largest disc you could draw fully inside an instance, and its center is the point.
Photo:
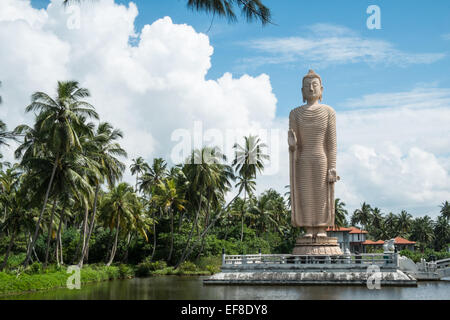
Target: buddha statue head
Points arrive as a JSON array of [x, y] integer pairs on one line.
[[312, 87]]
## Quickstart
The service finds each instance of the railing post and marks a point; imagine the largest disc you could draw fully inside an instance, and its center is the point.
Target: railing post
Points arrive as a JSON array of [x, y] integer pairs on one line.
[[244, 259], [223, 256]]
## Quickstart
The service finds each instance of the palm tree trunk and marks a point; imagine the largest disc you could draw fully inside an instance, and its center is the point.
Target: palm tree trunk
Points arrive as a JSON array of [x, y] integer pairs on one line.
[[183, 255], [58, 240], [50, 230], [11, 242], [171, 236], [91, 227], [136, 188], [242, 217], [207, 229], [154, 239], [125, 258], [85, 231], [114, 248], [38, 223]]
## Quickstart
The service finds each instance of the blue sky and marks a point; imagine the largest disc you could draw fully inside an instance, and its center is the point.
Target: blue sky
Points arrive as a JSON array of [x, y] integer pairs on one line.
[[410, 26], [390, 87]]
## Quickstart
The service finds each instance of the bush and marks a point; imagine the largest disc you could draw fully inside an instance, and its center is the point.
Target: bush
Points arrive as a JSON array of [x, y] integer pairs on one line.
[[187, 266], [125, 271], [34, 268], [146, 268]]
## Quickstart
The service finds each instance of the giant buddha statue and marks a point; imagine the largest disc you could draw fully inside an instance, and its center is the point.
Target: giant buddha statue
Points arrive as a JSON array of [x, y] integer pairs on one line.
[[312, 151]]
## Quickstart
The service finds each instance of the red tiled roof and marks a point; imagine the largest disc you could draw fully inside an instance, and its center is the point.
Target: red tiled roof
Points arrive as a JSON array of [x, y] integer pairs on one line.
[[397, 240], [400, 240], [338, 229], [356, 230], [351, 229], [373, 242]]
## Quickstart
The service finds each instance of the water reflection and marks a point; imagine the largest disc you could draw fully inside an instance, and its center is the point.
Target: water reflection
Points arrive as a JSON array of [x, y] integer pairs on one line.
[[192, 288]]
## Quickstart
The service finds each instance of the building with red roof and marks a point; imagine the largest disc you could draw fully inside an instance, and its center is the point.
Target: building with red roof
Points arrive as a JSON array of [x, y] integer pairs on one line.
[[400, 244], [350, 238]]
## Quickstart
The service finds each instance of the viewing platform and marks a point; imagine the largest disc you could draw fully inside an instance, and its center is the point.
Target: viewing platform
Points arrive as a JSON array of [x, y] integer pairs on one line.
[[289, 269]]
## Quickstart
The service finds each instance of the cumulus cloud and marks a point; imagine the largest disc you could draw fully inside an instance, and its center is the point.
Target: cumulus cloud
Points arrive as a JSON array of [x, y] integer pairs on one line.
[[148, 89], [326, 44], [151, 82]]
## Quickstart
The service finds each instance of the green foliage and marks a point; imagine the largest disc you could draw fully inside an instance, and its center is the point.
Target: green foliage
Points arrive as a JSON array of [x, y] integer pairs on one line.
[[416, 256], [188, 266], [55, 277], [14, 261], [146, 268], [126, 271], [36, 267]]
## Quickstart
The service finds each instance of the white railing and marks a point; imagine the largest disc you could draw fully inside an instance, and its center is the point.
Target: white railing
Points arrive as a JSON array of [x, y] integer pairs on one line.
[[280, 260]]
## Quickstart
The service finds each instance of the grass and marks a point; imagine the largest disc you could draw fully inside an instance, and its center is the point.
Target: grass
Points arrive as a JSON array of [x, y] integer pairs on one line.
[[34, 278]]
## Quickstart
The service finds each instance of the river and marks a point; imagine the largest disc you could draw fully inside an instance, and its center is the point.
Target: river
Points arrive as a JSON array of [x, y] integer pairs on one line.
[[192, 288]]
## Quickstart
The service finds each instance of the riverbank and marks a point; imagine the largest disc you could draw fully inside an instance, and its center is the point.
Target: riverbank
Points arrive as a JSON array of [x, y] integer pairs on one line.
[[35, 278]]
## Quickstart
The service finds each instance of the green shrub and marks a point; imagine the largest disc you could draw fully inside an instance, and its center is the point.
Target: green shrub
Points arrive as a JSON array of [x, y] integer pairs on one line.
[[187, 266], [34, 268], [212, 269], [125, 271], [145, 268]]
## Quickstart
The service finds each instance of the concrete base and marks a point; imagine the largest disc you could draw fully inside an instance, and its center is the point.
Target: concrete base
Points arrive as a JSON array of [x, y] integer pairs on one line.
[[388, 278], [317, 246]]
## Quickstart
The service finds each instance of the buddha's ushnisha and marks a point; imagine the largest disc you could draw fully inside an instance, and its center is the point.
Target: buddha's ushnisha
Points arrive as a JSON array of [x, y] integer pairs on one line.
[[312, 150]]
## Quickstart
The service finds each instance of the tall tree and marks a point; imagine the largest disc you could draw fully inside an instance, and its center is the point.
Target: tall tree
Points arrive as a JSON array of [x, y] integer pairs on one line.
[[441, 233], [422, 232], [340, 214], [169, 198], [105, 151], [445, 209], [138, 167], [59, 123], [362, 216], [118, 207], [404, 223], [249, 159]]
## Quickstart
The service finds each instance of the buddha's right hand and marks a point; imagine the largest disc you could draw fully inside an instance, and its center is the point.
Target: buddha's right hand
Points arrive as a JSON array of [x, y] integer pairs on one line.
[[292, 140]]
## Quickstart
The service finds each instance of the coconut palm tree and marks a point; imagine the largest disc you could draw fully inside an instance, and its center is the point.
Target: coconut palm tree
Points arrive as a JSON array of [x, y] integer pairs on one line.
[[59, 124], [117, 210], [249, 159], [137, 167], [404, 223], [340, 213], [422, 231], [205, 176], [441, 233], [445, 209], [104, 150], [376, 223], [170, 199], [362, 216], [153, 175]]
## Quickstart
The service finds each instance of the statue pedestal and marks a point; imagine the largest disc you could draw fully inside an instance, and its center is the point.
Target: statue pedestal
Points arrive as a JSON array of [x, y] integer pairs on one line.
[[317, 246]]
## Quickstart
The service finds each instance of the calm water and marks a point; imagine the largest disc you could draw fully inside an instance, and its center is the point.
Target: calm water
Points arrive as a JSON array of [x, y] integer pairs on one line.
[[186, 288]]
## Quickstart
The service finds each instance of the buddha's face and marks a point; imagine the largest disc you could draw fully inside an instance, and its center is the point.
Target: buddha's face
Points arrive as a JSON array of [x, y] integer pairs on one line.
[[312, 89]]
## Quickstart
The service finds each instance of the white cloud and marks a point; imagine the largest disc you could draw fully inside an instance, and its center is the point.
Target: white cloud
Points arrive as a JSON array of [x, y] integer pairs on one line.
[[148, 89], [330, 44], [393, 151], [392, 154]]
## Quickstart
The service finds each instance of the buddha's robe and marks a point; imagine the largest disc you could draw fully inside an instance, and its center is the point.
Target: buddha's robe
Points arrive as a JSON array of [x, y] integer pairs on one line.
[[312, 197]]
